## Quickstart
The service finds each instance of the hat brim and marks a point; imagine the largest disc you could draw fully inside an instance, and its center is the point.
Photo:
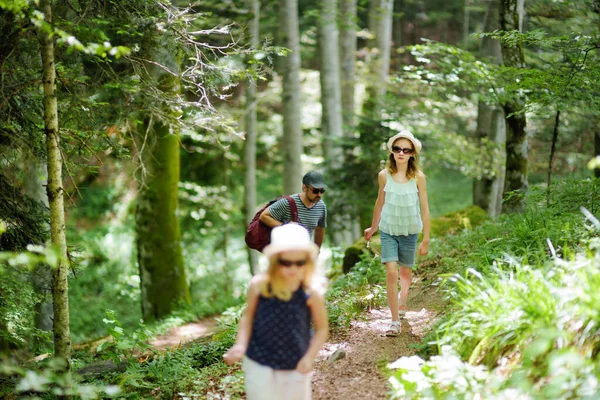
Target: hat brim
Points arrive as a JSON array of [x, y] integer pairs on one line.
[[274, 249]]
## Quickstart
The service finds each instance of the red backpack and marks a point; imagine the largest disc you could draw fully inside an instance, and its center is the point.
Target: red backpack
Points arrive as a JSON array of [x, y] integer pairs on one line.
[[258, 235]]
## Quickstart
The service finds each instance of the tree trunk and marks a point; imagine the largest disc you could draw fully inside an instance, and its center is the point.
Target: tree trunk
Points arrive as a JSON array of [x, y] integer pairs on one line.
[[551, 158], [251, 136], [380, 25], [348, 29], [292, 126], [487, 192], [162, 274], [60, 286], [331, 101], [347, 37], [597, 151], [516, 138], [397, 34]]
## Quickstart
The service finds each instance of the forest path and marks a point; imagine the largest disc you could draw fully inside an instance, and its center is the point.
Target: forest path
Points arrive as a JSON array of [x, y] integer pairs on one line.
[[179, 335], [358, 376]]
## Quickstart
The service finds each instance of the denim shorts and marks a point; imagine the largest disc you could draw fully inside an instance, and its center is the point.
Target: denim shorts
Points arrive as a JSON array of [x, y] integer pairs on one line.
[[399, 248]]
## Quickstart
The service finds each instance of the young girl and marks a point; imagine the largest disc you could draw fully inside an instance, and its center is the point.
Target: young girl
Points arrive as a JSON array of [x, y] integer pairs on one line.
[[401, 212], [274, 336]]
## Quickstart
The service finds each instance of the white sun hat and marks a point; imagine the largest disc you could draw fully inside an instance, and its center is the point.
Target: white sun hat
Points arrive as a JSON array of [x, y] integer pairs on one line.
[[406, 134], [290, 237]]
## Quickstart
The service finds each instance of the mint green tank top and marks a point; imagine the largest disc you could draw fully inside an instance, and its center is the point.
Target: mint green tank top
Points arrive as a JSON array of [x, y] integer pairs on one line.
[[401, 213]]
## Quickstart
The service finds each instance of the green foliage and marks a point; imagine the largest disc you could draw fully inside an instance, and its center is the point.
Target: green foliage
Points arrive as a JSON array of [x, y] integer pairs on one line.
[[351, 294], [540, 345], [51, 381]]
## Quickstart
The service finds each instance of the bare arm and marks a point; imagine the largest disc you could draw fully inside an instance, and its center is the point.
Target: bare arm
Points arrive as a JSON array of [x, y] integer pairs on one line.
[[267, 219], [422, 186], [237, 351], [319, 235], [370, 231], [316, 304]]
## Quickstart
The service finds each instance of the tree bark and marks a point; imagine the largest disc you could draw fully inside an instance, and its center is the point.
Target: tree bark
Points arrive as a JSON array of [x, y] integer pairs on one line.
[[348, 47], [292, 125], [551, 158], [487, 192], [380, 25], [516, 183], [332, 121], [251, 136], [597, 151], [60, 287], [348, 63], [162, 274]]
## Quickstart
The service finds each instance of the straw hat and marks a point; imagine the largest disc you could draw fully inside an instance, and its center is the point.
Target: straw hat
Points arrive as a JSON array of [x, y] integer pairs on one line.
[[406, 134], [290, 237]]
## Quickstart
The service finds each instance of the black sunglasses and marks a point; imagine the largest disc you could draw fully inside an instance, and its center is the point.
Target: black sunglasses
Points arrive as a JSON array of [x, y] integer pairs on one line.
[[317, 191], [406, 150], [288, 263]]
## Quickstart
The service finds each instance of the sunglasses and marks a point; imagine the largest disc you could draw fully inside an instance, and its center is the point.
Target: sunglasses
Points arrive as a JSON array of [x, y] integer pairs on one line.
[[288, 263], [317, 191], [406, 150]]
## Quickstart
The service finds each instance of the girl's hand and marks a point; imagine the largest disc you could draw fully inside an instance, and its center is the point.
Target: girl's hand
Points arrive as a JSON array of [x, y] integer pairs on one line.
[[234, 354], [424, 248], [368, 233], [304, 365]]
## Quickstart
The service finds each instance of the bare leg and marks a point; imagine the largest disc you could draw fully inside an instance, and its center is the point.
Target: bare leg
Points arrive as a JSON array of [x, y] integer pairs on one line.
[[405, 281], [391, 269]]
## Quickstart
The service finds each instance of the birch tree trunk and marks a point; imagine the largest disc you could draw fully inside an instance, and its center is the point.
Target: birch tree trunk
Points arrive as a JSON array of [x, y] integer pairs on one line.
[[511, 18], [487, 192], [60, 287], [332, 121], [380, 25], [251, 136], [292, 125], [347, 38]]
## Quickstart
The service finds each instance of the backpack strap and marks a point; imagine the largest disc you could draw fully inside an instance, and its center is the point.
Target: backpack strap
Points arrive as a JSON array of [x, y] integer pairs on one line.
[[293, 208]]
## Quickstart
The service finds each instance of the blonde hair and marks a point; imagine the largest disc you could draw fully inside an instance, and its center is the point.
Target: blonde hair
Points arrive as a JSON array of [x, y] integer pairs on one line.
[[273, 285], [413, 163]]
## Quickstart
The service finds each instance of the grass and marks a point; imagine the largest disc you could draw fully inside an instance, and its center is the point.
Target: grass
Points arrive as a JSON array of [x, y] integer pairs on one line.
[[524, 318]]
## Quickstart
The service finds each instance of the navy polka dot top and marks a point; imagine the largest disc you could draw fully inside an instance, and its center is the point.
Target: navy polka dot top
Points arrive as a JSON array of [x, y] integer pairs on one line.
[[281, 331]]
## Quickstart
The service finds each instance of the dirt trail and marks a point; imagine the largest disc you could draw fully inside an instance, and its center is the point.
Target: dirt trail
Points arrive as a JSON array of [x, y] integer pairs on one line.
[[185, 333], [357, 376]]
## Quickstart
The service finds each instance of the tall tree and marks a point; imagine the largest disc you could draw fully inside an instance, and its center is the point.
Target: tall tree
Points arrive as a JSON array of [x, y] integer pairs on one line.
[[251, 133], [331, 101], [292, 124], [597, 134], [347, 39], [487, 192], [162, 275], [60, 288], [511, 19], [380, 26]]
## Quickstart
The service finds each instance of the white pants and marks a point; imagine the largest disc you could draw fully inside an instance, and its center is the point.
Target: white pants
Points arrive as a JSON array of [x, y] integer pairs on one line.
[[265, 383]]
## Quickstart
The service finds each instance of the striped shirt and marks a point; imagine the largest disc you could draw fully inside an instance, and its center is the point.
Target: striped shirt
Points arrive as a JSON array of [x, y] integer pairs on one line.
[[310, 218]]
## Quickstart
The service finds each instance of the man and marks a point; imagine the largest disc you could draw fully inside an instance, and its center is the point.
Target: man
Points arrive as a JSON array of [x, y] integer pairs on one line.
[[312, 211]]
